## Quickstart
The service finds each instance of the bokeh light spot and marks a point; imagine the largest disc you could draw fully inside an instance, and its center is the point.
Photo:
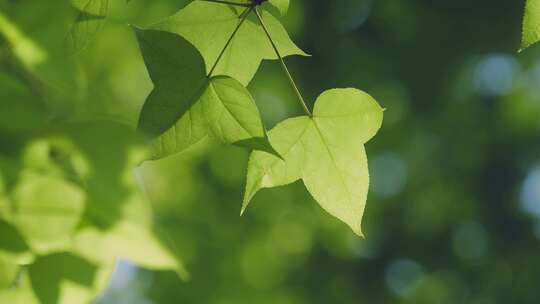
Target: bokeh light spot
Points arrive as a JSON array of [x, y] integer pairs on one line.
[[530, 193], [470, 241], [388, 175], [494, 75], [402, 276]]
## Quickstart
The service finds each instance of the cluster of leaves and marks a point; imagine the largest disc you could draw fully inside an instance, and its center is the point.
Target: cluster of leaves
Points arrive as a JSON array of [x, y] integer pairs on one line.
[[184, 52], [70, 203], [66, 213]]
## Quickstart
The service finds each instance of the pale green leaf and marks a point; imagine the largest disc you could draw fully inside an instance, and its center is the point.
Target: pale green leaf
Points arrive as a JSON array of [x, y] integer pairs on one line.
[[185, 104], [46, 210], [531, 24], [326, 152], [208, 26], [232, 114]]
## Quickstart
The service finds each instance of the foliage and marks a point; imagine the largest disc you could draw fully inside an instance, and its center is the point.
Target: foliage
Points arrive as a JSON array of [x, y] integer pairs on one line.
[[72, 199]]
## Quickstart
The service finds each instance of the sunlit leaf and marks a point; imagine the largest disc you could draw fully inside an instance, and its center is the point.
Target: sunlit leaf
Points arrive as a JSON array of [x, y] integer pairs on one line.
[[326, 152], [185, 104], [232, 114], [208, 26]]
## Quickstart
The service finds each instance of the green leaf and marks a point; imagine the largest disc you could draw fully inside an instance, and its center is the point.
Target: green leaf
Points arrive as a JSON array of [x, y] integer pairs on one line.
[[326, 152], [178, 73], [232, 114], [208, 26], [46, 210], [531, 24], [185, 104], [88, 23]]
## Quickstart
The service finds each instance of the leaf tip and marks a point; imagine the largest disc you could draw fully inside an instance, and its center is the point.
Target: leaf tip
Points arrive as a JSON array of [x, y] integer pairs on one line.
[[358, 232]]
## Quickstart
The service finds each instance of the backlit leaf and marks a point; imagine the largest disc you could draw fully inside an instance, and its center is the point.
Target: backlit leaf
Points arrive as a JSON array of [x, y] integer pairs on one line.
[[185, 104], [326, 152], [208, 26]]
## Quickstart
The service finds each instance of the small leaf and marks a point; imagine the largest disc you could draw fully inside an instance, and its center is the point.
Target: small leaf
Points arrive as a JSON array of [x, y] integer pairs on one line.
[[325, 151], [232, 114], [178, 73], [208, 27], [531, 24], [185, 104]]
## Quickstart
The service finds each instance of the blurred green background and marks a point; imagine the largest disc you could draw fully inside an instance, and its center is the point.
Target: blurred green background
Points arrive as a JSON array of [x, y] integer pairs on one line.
[[453, 214]]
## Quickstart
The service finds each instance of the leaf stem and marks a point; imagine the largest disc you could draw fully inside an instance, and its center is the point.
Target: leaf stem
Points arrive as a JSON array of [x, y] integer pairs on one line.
[[283, 65], [228, 2], [244, 15]]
